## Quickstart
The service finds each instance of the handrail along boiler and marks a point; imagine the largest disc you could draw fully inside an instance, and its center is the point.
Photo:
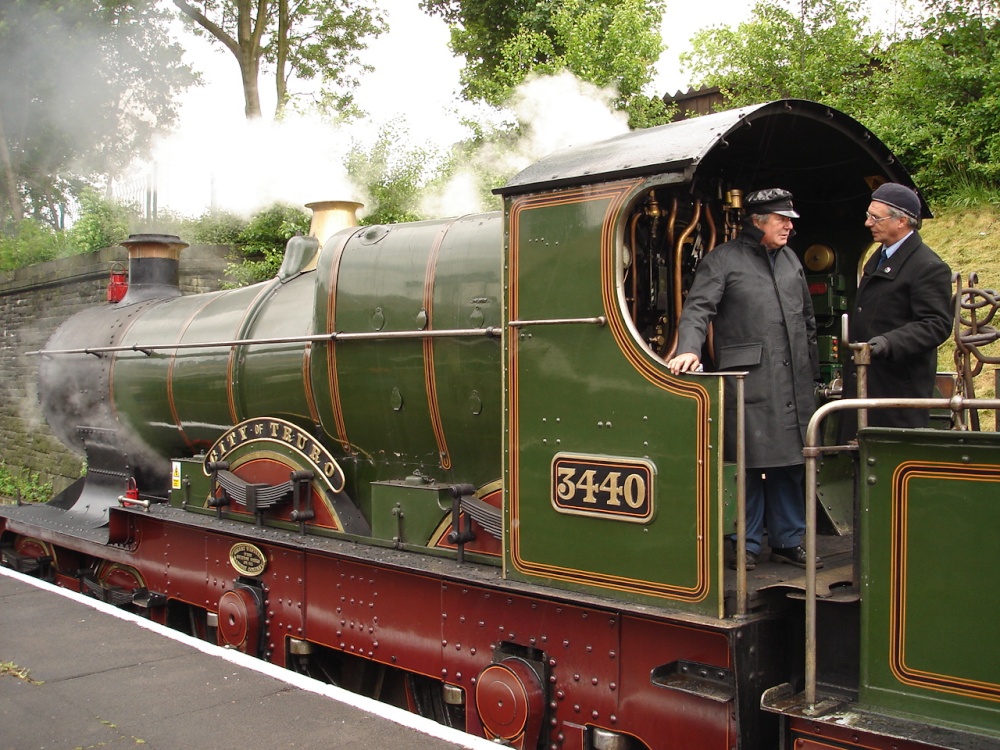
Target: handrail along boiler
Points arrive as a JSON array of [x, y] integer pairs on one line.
[[443, 464]]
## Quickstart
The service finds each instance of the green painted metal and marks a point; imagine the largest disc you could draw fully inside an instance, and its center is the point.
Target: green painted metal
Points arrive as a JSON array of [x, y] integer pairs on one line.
[[560, 382], [408, 513], [930, 509], [402, 406], [396, 407], [189, 486]]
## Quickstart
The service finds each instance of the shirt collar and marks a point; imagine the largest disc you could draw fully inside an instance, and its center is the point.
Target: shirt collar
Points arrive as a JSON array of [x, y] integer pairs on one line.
[[895, 245]]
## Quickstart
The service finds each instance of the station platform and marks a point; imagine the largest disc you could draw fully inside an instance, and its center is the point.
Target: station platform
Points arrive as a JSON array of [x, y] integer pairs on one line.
[[76, 673]]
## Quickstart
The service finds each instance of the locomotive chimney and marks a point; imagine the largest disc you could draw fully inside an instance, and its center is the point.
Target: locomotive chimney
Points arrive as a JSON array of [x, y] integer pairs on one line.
[[329, 217], [153, 267]]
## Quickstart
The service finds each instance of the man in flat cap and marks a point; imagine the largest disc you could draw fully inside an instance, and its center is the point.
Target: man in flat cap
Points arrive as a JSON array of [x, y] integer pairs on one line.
[[902, 309], [754, 291]]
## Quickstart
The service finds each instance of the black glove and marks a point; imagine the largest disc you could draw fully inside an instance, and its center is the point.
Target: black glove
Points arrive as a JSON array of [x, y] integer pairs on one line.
[[880, 347]]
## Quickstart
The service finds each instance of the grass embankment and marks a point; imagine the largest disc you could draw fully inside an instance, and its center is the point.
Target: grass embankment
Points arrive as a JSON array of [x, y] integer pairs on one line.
[[967, 239]]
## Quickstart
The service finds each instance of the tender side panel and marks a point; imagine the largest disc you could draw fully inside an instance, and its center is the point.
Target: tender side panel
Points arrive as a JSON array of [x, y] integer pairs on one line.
[[930, 511]]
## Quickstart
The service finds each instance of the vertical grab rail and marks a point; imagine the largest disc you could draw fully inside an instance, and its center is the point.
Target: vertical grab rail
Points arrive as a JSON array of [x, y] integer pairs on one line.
[[741, 499], [742, 594]]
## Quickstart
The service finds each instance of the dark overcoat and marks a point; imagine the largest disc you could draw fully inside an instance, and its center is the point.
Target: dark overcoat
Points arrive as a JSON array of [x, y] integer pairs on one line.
[[763, 323], [908, 302]]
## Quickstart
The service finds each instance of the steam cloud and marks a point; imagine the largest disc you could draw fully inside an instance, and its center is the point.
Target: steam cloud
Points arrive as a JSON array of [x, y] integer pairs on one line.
[[242, 166]]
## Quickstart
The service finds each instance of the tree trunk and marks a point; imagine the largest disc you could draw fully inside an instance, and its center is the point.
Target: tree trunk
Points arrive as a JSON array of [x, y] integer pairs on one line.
[[280, 82], [249, 31], [9, 181], [251, 92], [251, 20]]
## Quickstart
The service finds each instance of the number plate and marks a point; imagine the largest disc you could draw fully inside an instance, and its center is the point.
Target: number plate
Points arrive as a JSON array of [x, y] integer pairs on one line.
[[603, 486]]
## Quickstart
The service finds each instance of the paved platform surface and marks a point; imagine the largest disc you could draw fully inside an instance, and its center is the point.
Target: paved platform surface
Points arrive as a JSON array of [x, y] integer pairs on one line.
[[96, 680]]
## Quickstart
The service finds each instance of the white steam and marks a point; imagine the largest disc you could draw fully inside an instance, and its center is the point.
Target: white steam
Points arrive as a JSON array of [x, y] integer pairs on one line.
[[560, 111], [241, 166], [553, 112], [249, 165]]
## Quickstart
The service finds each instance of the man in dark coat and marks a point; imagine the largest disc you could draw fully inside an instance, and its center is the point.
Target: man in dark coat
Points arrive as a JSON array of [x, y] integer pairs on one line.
[[902, 309], [754, 291]]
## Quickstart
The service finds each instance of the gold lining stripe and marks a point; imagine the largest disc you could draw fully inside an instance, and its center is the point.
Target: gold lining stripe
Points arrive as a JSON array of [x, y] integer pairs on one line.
[[616, 193], [898, 573], [307, 382], [430, 378], [248, 317], [331, 348]]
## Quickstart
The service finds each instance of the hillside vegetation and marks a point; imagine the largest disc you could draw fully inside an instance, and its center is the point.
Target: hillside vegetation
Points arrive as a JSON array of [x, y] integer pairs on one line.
[[968, 239]]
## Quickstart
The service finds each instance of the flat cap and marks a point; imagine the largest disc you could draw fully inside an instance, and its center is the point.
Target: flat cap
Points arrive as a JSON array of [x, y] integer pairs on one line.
[[770, 201]]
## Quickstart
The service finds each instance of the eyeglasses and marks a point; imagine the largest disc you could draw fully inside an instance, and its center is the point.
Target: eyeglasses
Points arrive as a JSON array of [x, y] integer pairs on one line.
[[875, 219]]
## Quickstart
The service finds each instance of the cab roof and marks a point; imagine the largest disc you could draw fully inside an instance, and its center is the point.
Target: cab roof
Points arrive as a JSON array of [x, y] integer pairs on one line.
[[786, 142]]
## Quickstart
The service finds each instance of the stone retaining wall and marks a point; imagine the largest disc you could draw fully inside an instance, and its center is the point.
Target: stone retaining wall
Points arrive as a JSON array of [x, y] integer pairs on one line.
[[33, 302]]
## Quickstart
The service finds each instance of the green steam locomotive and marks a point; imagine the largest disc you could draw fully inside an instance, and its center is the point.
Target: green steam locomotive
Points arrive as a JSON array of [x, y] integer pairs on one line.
[[444, 464]]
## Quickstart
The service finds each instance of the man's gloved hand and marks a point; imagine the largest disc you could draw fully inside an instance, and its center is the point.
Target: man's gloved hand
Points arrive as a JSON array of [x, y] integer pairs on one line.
[[880, 347]]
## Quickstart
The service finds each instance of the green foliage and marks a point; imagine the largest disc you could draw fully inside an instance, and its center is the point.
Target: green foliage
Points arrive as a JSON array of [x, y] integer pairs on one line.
[[86, 84], [815, 53], [102, 223], [261, 244], [23, 484], [30, 241], [392, 177], [479, 28], [940, 101], [216, 228], [932, 96], [606, 43]]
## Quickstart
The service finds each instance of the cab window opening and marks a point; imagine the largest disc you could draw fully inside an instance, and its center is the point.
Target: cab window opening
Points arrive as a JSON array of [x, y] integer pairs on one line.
[[667, 233]]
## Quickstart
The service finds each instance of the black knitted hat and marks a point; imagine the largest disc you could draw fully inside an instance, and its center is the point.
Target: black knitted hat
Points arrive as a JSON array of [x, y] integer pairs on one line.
[[899, 197]]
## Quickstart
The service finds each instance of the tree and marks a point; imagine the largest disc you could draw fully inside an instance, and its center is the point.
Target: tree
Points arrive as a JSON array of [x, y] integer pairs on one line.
[[304, 39], [816, 51], [603, 42], [940, 100], [393, 178], [86, 85], [260, 244]]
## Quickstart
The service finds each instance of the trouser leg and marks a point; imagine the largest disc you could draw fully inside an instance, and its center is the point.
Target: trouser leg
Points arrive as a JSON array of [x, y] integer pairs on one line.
[[755, 510], [785, 510]]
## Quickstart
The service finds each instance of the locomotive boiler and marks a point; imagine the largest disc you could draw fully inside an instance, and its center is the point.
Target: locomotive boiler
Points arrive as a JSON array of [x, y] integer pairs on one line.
[[444, 464]]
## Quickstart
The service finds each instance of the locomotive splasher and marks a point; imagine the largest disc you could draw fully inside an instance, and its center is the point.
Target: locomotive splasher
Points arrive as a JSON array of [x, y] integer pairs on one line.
[[444, 463]]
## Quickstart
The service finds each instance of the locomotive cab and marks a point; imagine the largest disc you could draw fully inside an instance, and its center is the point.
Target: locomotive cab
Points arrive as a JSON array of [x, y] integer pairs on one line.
[[604, 244]]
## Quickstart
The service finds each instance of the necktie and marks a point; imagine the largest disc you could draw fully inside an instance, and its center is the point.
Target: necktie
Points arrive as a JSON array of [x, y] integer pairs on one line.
[[882, 259]]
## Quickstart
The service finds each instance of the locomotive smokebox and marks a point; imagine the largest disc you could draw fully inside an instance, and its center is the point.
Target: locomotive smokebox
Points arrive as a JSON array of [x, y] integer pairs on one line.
[[153, 267]]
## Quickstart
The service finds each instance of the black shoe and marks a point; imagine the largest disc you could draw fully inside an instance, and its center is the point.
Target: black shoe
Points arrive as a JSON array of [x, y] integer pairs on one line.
[[793, 556], [751, 561]]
